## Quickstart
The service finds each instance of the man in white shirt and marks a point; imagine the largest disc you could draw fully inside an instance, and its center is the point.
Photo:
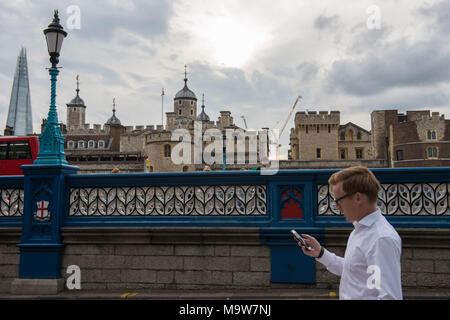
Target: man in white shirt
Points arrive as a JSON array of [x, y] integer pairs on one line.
[[371, 267]]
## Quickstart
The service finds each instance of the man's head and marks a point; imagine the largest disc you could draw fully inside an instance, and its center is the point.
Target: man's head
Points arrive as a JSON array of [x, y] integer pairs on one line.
[[355, 190]]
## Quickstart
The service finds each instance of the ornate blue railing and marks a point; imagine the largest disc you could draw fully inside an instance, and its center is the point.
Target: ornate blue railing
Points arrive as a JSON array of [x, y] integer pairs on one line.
[[416, 197], [51, 197], [12, 197]]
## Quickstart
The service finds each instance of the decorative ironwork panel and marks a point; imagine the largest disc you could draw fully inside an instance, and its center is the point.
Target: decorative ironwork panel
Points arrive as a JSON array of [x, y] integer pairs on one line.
[[169, 201], [11, 202], [399, 199]]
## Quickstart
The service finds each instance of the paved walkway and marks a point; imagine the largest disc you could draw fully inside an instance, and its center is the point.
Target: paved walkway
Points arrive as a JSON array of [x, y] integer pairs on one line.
[[264, 294]]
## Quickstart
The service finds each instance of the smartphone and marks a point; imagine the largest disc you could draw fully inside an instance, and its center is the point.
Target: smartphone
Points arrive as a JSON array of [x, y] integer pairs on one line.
[[298, 238]]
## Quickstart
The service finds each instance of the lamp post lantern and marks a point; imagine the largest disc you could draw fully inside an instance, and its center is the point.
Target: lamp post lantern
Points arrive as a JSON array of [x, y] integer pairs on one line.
[[51, 141]]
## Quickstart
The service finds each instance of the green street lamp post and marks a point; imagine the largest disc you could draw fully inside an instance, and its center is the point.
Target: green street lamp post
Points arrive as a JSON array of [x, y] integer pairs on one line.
[[41, 247], [51, 141]]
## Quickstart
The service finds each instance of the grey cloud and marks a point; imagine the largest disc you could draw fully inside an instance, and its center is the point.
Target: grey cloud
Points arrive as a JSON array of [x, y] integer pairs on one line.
[[108, 75], [218, 84], [323, 22], [150, 18], [423, 63], [440, 14], [307, 70], [100, 20], [365, 40]]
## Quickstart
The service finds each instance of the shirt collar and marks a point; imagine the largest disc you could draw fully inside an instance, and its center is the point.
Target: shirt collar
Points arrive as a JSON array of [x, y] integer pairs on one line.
[[369, 219]]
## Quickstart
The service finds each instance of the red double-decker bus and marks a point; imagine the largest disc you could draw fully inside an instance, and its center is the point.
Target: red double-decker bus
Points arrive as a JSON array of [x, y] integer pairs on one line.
[[16, 151]]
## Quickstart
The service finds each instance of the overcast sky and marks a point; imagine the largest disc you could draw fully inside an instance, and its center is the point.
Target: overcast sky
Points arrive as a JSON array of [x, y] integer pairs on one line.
[[251, 57]]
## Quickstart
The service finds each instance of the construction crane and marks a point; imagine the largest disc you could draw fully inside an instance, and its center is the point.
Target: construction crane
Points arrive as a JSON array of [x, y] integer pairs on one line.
[[278, 145], [245, 122]]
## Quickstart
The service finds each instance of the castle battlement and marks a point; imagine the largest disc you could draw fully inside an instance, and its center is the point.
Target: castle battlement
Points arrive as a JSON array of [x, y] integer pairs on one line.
[[140, 129], [434, 117], [312, 117], [86, 128], [158, 136]]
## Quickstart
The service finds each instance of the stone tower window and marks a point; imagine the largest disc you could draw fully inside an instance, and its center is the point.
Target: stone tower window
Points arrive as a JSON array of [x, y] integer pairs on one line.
[[179, 112], [399, 155], [342, 135], [433, 135], [358, 136], [166, 150], [359, 153], [318, 153], [317, 127]]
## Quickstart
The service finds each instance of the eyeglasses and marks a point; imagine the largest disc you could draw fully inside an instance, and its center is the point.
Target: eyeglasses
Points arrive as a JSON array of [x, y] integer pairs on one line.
[[336, 201]]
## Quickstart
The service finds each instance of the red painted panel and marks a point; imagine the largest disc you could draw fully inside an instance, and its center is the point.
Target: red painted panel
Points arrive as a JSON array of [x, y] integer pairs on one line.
[[291, 209]]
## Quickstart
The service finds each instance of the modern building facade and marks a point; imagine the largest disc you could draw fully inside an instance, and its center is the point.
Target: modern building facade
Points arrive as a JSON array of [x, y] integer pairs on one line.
[[19, 121]]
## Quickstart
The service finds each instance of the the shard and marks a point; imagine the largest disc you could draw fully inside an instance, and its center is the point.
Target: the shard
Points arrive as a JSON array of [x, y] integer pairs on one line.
[[19, 122]]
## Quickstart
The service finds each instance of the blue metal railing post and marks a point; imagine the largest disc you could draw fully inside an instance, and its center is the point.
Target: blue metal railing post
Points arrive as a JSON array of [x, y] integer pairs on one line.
[[43, 216]]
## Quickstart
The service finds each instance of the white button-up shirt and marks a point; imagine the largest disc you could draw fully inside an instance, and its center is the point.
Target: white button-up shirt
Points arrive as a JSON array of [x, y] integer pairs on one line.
[[371, 267]]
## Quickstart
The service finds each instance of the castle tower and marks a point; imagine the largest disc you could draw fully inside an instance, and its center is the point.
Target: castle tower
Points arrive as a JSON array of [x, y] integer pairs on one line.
[[19, 120], [381, 120], [315, 136], [76, 110], [185, 102], [115, 129]]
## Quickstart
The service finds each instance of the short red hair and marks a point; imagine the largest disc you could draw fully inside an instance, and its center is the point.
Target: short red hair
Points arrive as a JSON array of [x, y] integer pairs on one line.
[[357, 179]]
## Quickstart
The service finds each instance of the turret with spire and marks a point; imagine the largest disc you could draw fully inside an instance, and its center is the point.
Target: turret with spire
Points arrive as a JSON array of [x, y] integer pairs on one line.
[[113, 121], [203, 116], [76, 110], [185, 103]]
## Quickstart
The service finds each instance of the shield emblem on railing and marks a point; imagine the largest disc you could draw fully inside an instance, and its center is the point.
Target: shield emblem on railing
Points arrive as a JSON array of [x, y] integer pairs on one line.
[[42, 214]]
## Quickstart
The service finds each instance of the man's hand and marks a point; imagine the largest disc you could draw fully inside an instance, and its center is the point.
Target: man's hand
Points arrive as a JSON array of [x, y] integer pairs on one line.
[[312, 243]]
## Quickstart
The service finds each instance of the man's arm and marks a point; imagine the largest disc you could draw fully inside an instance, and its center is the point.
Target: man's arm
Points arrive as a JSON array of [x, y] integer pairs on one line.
[[332, 262]]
